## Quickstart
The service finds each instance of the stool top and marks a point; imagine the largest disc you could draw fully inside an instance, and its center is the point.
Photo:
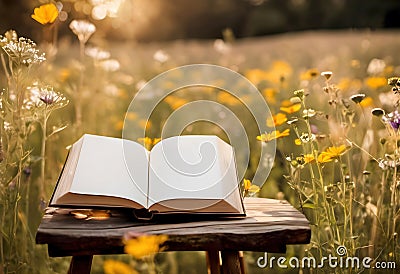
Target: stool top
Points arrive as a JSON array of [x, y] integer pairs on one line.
[[269, 226]]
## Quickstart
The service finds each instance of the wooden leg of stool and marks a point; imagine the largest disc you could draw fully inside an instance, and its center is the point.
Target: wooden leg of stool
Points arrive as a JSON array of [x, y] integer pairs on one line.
[[80, 264], [213, 262], [230, 262], [242, 263]]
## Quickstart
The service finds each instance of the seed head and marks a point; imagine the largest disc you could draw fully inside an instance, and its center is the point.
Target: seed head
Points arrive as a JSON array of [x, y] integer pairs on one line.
[[357, 98], [327, 74]]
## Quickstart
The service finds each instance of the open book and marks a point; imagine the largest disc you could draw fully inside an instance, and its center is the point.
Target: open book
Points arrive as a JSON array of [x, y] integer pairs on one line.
[[188, 174]]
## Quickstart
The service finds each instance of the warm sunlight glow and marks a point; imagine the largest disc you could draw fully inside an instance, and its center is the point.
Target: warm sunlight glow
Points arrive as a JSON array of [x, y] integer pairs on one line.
[[105, 8]]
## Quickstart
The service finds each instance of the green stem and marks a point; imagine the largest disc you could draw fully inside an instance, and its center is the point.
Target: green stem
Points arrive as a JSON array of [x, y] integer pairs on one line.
[[15, 205], [393, 202], [1, 139], [347, 208], [78, 103], [328, 209], [20, 93], [27, 195], [3, 62], [320, 190], [297, 179], [3, 216], [353, 193], [379, 207], [344, 201], [43, 154], [350, 220], [151, 265]]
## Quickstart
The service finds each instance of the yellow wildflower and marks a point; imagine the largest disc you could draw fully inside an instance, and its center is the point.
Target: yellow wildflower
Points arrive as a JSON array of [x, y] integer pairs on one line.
[[145, 124], [246, 184], [349, 84], [208, 90], [170, 85], [226, 98], [279, 71], [331, 153], [344, 83], [131, 116], [254, 189], [145, 245], [276, 134], [376, 82], [324, 158], [367, 102], [156, 140], [276, 120], [286, 103], [149, 142], [308, 158], [45, 14], [298, 142], [64, 75], [256, 76], [270, 95], [249, 187], [117, 267], [119, 125], [388, 70], [309, 74], [175, 102], [291, 109]]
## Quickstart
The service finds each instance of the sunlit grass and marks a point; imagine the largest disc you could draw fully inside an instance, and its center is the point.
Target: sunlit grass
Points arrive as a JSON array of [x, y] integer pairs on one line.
[[321, 88]]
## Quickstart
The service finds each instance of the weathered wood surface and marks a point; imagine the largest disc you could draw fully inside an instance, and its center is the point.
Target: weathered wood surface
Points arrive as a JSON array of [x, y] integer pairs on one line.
[[270, 225]]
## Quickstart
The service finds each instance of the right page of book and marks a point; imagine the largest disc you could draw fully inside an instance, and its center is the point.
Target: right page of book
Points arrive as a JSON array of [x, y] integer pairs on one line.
[[193, 173]]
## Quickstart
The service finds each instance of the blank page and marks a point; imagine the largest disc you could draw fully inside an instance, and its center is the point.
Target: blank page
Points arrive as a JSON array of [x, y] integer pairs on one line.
[[192, 167], [102, 169]]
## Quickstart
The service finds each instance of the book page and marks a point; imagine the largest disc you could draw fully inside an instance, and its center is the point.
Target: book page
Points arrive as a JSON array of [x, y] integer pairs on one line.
[[195, 171], [67, 174], [102, 169]]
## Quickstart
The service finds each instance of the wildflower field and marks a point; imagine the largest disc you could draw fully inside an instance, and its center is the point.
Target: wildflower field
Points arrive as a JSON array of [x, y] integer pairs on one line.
[[333, 96]]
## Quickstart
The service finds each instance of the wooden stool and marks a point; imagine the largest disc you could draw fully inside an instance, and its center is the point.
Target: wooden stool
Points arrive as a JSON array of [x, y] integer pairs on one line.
[[270, 225]]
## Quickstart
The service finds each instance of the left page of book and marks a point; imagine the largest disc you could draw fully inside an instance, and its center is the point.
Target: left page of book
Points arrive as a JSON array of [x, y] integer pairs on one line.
[[102, 176]]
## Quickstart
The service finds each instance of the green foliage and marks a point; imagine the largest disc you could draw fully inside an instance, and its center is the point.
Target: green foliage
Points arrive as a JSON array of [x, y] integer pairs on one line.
[[25, 106], [350, 197]]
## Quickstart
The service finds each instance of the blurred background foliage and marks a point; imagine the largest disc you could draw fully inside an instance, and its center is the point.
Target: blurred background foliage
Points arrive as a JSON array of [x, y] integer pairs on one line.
[[141, 39], [157, 20]]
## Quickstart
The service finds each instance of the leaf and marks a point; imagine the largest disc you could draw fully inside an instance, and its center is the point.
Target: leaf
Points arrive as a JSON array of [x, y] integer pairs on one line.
[[99, 215], [309, 205], [57, 130]]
